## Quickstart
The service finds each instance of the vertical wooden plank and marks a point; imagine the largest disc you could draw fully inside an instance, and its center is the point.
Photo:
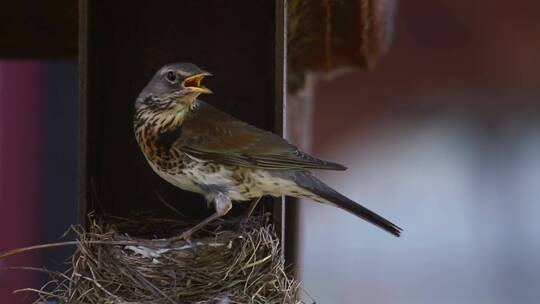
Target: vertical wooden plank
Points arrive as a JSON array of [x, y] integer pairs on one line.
[[299, 131], [280, 205], [83, 191]]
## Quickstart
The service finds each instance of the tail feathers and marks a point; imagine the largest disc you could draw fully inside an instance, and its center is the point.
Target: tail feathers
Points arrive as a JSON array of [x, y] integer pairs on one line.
[[315, 186]]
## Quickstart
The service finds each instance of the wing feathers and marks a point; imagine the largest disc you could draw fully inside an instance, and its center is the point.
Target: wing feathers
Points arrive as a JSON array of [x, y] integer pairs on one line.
[[210, 134]]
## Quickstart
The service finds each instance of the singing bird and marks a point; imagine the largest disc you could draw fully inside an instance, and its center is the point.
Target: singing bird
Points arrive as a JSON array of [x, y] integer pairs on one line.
[[196, 147]]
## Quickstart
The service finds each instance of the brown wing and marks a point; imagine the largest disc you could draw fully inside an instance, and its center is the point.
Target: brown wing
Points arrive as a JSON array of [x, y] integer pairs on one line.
[[212, 135]]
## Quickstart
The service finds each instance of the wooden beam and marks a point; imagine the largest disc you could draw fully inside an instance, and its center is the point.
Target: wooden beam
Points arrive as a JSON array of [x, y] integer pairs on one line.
[[38, 29], [280, 53]]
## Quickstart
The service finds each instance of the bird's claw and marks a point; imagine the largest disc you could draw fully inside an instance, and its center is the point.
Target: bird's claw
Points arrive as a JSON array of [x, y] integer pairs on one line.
[[186, 236]]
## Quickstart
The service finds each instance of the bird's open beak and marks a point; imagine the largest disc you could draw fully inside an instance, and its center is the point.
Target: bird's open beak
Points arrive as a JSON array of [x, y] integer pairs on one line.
[[193, 83]]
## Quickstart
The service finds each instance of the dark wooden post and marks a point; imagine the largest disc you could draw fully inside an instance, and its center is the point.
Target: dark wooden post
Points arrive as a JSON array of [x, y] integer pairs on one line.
[[121, 45]]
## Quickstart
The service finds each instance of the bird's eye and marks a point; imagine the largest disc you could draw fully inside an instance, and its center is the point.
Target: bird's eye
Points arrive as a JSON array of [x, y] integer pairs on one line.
[[171, 76]]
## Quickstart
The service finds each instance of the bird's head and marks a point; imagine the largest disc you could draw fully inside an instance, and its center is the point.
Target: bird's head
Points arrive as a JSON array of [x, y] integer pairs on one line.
[[172, 90]]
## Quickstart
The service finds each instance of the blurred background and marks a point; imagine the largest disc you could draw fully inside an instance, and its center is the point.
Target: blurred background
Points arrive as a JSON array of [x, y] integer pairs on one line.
[[38, 167], [442, 137]]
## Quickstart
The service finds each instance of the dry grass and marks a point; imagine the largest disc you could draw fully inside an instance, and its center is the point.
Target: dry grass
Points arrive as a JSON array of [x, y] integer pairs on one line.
[[224, 266]]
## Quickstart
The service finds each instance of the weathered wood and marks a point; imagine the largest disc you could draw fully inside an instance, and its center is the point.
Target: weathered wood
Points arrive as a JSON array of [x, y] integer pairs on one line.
[[325, 35]]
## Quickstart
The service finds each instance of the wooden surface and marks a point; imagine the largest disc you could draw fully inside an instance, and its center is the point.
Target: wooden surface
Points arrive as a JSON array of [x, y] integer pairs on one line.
[[325, 35], [122, 46], [38, 29]]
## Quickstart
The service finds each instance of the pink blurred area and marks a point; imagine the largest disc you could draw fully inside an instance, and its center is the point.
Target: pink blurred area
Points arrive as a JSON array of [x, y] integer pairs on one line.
[[443, 138], [20, 108]]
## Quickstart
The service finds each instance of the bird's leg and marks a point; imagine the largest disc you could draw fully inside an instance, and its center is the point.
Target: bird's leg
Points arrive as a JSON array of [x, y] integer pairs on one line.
[[249, 211], [222, 204]]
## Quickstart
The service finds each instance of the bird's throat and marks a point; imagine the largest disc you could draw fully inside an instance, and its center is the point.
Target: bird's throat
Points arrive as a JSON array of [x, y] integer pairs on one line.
[[156, 133]]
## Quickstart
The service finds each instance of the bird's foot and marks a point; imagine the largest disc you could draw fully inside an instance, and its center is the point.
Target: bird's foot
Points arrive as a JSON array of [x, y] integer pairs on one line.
[[186, 237]]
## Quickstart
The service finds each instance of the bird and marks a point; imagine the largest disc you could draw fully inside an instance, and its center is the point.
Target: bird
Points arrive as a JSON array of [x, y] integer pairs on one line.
[[199, 148]]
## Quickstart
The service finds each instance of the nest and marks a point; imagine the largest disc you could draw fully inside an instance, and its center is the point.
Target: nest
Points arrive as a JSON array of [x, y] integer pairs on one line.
[[220, 265]]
